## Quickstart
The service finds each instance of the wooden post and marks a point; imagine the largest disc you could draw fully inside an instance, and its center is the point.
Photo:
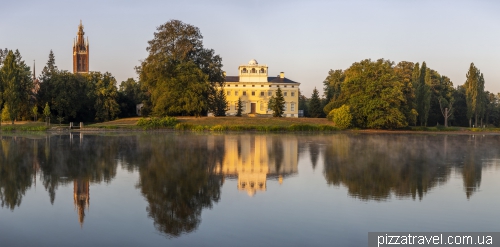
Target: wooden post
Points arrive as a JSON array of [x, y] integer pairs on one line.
[[81, 125]]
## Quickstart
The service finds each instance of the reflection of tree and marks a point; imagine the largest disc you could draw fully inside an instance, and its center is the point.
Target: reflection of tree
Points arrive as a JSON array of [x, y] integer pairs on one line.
[[16, 170], [178, 181], [376, 166], [276, 152], [314, 153]]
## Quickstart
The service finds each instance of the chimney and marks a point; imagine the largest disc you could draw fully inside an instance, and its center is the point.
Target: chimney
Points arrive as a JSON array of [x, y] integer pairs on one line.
[[282, 75]]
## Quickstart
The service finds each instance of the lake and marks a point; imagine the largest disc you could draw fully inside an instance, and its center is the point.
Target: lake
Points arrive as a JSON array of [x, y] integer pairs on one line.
[[243, 189]]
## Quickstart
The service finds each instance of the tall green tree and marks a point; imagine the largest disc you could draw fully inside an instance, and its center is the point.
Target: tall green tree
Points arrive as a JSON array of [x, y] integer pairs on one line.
[[129, 95], [277, 103], [239, 108], [474, 92], [406, 74], [315, 109], [176, 50], [106, 96], [16, 83], [423, 94], [303, 104]]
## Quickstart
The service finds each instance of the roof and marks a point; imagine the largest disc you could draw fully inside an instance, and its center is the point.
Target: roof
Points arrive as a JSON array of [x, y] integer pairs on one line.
[[273, 79]]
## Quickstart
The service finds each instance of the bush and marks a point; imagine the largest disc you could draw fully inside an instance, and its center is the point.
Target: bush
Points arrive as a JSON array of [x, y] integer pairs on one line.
[[183, 126], [342, 117], [156, 123]]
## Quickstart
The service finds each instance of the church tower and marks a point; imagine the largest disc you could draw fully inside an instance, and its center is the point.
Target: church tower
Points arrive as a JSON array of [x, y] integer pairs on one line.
[[80, 52]]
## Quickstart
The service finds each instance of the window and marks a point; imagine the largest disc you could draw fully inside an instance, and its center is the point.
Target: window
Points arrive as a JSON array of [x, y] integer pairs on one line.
[[261, 93], [284, 108], [244, 85], [253, 93], [269, 93], [235, 93], [243, 106], [228, 93], [293, 86], [236, 85], [253, 85], [292, 106], [244, 93], [261, 85], [285, 94], [253, 70], [262, 71], [244, 70], [285, 85], [293, 93]]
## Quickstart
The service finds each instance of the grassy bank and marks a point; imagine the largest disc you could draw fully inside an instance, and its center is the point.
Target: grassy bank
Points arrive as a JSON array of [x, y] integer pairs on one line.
[[221, 124]]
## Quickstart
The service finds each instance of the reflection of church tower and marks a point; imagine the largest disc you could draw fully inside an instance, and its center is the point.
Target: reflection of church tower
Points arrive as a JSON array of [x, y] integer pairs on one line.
[[255, 159], [80, 52], [81, 197]]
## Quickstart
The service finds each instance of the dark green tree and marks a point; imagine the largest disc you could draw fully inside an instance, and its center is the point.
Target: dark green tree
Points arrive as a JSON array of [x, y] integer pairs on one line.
[[239, 107], [277, 103], [129, 95], [303, 104], [176, 55], [106, 96], [315, 109], [16, 83]]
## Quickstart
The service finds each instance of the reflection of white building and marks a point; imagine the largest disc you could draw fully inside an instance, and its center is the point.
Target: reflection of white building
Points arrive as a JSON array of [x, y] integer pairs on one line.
[[253, 159]]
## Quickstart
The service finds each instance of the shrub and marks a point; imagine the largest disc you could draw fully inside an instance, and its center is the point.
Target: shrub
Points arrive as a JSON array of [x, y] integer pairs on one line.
[[342, 117], [156, 123], [218, 128], [183, 126]]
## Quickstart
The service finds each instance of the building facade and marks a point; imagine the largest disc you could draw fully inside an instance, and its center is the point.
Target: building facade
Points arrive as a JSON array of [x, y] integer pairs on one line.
[[80, 52], [254, 88]]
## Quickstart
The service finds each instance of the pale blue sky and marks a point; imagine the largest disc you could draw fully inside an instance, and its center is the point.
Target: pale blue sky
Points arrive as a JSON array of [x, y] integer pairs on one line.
[[305, 39]]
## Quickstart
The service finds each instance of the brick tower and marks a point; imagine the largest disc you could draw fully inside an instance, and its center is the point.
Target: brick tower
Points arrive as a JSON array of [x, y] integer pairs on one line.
[[80, 52]]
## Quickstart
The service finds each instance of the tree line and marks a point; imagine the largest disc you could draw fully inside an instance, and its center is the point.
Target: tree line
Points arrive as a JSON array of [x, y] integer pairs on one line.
[[381, 94]]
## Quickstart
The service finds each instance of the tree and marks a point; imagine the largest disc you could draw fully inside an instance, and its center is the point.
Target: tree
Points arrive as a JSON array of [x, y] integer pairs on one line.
[[333, 84], [342, 117], [34, 111], [106, 95], [448, 110], [474, 91], [177, 56], [423, 93], [315, 109], [374, 94], [406, 73], [303, 104], [16, 84], [239, 108], [46, 112], [277, 103], [129, 95], [5, 113]]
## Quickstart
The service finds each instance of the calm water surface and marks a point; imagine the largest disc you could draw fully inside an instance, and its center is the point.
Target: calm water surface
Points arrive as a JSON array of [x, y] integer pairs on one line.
[[174, 189]]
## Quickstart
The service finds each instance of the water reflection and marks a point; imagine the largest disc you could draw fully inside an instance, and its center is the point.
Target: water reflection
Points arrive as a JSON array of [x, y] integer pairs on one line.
[[180, 175], [253, 159], [177, 179], [374, 167]]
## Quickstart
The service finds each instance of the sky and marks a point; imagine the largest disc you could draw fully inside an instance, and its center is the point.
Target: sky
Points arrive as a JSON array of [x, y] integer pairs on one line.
[[304, 39]]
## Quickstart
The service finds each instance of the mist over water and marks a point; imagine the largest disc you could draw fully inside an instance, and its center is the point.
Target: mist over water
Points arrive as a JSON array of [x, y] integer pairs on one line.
[[242, 189]]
